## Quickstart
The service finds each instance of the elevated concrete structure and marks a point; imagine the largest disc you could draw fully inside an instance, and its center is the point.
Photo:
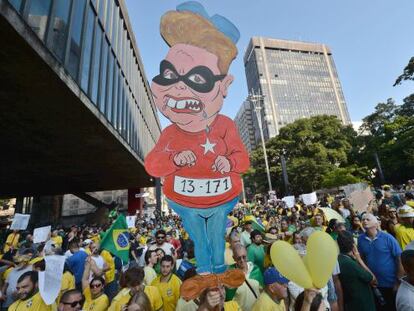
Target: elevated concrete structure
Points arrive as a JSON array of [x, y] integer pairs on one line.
[[54, 138]]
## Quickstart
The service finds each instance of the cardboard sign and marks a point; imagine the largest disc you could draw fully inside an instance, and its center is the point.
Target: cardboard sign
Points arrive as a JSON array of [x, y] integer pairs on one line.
[[20, 222], [131, 221], [50, 279], [289, 200], [309, 198], [41, 234], [360, 199]]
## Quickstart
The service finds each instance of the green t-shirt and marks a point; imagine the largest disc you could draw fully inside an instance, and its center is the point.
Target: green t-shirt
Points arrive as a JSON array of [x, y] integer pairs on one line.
[[256, 254], [355, 283]]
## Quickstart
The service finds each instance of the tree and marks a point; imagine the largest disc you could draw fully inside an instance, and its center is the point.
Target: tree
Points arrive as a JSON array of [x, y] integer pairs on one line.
[[408, 73], [313, 148], [389, 134]]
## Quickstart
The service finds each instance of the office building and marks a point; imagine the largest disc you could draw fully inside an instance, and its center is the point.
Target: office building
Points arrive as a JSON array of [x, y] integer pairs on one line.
[[297, 79], [244, 123]]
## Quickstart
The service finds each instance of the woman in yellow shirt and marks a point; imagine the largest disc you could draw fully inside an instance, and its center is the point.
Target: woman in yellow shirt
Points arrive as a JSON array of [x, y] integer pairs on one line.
[[93, 291], [11, 241]]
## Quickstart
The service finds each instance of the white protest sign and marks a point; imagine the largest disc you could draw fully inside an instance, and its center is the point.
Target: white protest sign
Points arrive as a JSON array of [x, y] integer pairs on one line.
[[309, 198], [289, 200], [50, 279], [131, 221], [41, 234], [20, 222]]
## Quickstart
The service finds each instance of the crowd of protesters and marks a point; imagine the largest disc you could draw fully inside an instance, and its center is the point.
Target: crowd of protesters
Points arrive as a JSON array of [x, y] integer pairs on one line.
[[374, 271]]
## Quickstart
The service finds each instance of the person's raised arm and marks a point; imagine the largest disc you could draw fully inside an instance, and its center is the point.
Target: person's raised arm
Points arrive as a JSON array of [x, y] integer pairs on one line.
[[86, 273]]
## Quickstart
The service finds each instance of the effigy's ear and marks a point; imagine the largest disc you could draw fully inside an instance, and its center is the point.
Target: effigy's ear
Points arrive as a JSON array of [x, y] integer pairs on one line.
[[225, 83]]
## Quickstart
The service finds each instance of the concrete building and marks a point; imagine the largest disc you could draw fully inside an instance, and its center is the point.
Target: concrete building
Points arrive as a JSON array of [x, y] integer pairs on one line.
[[298, 80], [76, 111], [244, 123]]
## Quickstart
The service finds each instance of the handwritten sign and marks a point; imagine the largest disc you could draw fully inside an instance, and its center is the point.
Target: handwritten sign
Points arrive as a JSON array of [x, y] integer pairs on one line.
[[289, 200], [131, 221], [50, 279], [41, 234], [20, 222], [309, 198]]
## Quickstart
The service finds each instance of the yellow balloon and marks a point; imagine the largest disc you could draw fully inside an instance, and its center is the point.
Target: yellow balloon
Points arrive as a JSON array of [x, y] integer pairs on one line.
[[321, 257], [288, 262]]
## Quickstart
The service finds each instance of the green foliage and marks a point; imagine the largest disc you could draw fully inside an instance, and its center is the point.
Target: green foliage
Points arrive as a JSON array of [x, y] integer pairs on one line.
[[408, 73], [313, 148], [390, 131], [340, 176]]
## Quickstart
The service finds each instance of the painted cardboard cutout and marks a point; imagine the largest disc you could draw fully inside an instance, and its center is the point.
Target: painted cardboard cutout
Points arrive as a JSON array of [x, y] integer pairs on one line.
[[200, 156]]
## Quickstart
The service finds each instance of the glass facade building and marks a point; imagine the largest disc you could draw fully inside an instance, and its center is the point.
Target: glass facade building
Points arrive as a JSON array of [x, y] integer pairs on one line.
[[297, 80], [93, 41], [244, 122]]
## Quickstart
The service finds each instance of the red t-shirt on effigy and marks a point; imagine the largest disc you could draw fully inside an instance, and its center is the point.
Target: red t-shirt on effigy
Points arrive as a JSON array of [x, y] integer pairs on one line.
[[199, 186]]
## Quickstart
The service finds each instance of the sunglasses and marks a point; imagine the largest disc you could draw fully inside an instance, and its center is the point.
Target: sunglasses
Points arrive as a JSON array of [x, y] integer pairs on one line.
[[201, 79], [160, 236], [240, 258], [95, 285], [74, 304]]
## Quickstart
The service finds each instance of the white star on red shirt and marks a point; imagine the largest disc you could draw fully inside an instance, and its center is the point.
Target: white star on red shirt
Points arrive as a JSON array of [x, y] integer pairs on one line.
[[208, 146]]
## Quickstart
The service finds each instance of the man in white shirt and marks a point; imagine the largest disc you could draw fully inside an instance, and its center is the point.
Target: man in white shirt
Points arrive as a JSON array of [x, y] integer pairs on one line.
[[405, 294], [161, 243]]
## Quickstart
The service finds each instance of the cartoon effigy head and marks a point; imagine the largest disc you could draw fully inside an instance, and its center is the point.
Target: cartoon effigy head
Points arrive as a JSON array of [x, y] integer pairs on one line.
[[193, 78]]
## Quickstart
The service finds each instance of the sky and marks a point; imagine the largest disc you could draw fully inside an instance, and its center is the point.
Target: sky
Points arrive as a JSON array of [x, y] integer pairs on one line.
[[371, 41]]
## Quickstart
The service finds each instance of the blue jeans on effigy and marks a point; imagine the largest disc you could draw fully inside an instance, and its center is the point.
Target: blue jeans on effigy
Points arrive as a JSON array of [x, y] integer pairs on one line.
[[207, 228]]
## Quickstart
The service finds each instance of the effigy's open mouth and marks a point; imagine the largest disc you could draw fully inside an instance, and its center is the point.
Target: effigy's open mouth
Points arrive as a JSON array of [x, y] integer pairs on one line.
[[185, 105]]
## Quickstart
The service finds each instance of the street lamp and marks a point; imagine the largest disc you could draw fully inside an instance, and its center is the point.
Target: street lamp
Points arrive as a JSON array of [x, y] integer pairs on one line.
[[284, 172], [256, 99]]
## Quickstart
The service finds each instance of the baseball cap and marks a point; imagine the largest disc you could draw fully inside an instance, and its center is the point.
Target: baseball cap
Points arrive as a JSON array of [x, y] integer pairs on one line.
[[271, 275], [405, 211]]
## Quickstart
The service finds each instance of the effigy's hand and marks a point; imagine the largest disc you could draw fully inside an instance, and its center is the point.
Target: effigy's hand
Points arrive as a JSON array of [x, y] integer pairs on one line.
[[221, 164], [185, 158]]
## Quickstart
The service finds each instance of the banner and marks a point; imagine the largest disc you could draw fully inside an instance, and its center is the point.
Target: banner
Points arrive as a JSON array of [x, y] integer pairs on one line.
[[41, 234], [20, 222], [309, 198], [50, 279], [131, 221], [289, 200]]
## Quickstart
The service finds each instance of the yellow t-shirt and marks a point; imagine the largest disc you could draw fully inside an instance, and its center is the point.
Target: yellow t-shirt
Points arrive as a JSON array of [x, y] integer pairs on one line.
[[7, 272], [231, 306], [96, 238], [154, 297], [404, 235], [265, 303], [183, 305], [124, 296], [34, 303], [67, 283], [150, 275], [98, 304], [12, 240], [57, 240], [109, 260], [170, 291]]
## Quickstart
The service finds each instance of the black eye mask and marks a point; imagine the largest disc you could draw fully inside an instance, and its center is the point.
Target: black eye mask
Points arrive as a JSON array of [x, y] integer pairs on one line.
[[201, 87]]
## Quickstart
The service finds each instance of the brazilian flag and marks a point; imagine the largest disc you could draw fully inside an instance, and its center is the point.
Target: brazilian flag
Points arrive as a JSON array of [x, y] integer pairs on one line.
[[255, 223], [116, 239]]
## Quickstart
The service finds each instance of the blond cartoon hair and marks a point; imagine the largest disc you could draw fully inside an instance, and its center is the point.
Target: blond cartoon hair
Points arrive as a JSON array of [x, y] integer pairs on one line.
[[190, 28]]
